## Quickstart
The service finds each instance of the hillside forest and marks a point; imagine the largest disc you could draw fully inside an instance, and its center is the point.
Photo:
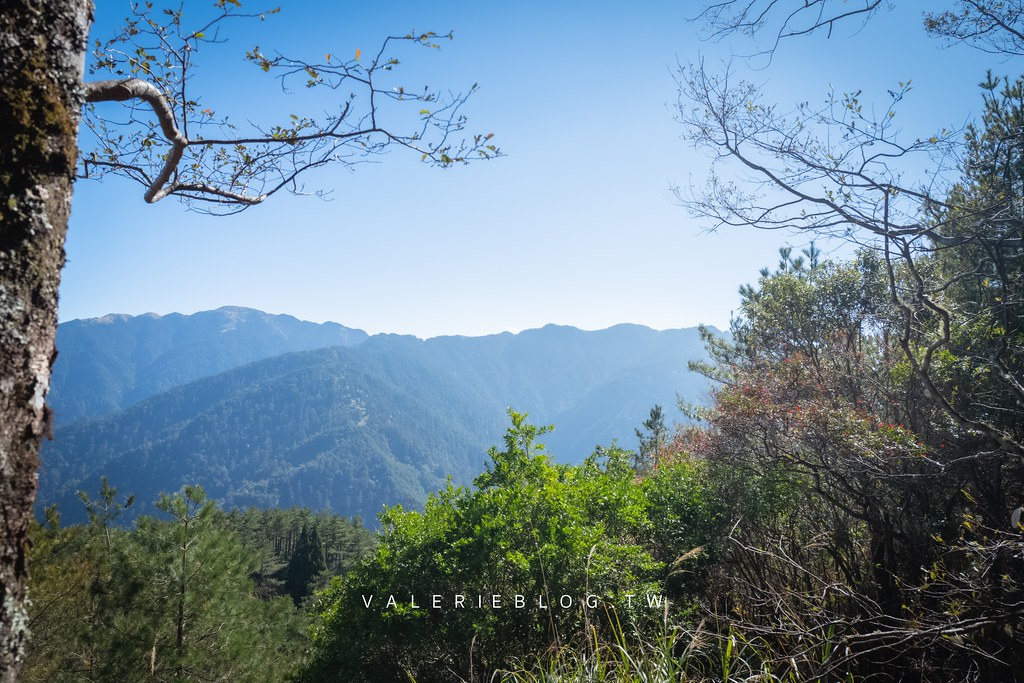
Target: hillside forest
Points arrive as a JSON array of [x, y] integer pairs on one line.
[[844, 504]]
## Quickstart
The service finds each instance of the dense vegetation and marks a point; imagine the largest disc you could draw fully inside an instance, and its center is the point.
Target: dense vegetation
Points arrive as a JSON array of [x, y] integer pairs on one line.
[[543, 556], [190, 594], [873, 533]]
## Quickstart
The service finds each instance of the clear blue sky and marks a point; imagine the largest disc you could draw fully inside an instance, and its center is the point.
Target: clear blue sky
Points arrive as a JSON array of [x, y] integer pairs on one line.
[[575, 226]]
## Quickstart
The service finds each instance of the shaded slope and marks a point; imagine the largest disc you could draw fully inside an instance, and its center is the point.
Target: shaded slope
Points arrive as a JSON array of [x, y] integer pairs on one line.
[[319, 429]]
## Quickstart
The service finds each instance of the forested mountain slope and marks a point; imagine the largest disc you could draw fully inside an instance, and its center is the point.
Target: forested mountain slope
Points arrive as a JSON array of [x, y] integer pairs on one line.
[[385, 422]]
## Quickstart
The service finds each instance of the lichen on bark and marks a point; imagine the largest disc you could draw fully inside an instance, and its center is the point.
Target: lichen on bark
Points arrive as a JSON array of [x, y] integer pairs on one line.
[[42, 49]]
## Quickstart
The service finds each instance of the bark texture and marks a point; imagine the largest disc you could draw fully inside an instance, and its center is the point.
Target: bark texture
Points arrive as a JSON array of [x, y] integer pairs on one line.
[[42, 49]]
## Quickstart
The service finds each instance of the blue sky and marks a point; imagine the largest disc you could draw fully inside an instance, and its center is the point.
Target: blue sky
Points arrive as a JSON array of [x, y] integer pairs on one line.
[[577, 224]]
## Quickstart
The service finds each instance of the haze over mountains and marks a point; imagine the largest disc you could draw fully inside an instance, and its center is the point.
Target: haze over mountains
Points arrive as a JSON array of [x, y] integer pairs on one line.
[[268, 410], [105, 364]]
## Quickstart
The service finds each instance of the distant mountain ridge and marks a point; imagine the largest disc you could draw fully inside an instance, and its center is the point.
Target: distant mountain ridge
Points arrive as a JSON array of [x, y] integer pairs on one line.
[[107, 364], [383, 420]]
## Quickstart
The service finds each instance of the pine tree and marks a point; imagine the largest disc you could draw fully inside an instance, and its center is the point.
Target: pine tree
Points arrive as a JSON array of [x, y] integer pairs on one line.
[[306, 564], [652, 440]]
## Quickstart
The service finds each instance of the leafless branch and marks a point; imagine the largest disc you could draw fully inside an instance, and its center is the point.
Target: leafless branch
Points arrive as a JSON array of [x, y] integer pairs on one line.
[[780, 19]]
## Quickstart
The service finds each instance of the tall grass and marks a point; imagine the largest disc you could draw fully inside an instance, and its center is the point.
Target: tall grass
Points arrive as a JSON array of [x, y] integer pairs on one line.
[[695, 655]]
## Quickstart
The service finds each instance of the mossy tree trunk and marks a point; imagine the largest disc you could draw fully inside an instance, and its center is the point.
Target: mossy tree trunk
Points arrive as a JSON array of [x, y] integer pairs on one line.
[[42, 49]]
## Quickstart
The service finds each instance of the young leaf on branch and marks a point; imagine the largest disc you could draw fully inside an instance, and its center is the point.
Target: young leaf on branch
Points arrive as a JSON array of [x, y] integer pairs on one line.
[[166, 140]]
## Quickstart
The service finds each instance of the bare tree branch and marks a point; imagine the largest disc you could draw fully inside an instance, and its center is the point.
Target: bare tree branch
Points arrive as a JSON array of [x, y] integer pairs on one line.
[[780, 19], [992, 27], [839, 188], [138, 89]]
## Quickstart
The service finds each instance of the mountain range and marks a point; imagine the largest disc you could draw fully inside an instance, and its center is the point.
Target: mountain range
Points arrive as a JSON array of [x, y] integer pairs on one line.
[[268, 410], [109, 363]]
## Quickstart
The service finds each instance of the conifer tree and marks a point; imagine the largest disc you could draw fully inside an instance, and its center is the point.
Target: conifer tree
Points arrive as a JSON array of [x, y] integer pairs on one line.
[[653, 439], [306, 564], [171, 600]]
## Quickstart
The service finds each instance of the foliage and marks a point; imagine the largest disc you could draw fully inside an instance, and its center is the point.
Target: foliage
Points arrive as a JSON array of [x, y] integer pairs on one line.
[[275, 536], [171, 600], [550, 536], [653, 439], [306, 563], [696, 654], [662, 659], [870, 410], [843, 483]]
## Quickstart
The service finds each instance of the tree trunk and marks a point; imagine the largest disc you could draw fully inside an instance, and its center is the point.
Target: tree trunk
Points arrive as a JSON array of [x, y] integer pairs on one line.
[[42, 50]]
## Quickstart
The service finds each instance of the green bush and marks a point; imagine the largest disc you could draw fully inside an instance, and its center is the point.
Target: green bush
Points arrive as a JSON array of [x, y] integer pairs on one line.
[[576, 543]]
